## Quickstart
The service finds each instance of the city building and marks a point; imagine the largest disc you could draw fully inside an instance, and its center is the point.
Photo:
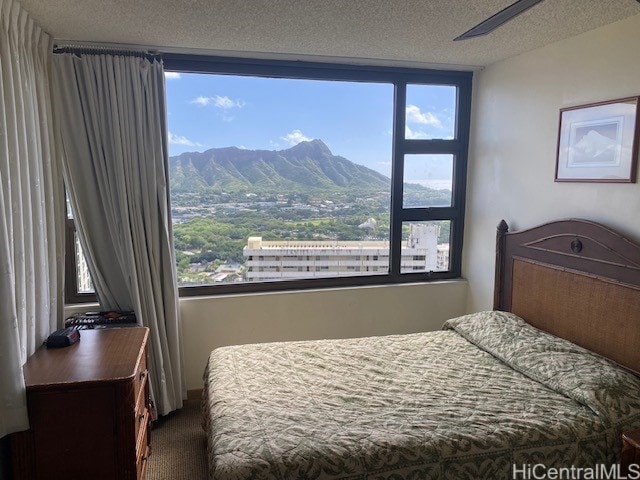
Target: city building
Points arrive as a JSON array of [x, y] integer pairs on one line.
[[279, 260]]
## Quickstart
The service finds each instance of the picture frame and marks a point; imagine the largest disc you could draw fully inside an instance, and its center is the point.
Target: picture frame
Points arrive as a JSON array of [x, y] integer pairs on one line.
[[598, 142]]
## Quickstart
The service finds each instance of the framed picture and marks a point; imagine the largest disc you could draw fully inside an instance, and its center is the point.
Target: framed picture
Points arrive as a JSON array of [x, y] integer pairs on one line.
[[599, 142]]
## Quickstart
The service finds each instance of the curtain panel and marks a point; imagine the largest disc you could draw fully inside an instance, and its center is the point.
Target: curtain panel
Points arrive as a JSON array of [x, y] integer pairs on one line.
[[112, 119], [31, 207]]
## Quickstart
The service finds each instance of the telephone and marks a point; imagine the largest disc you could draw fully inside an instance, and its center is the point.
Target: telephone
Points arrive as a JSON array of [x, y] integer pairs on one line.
[[63, 338]]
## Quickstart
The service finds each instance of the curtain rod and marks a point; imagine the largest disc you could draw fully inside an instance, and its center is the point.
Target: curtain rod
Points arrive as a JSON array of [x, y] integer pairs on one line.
[[165, 52], [78, 49]]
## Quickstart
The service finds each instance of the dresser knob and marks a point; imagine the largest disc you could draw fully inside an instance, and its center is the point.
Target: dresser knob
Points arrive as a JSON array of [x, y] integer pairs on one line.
[[143, 374]]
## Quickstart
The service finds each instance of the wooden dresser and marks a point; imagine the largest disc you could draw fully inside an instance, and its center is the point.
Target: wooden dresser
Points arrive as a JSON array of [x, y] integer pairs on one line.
[[88, 409], [630, 458]]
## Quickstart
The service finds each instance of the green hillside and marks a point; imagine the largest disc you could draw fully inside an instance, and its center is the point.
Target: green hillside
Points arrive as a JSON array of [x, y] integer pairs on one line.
[[308, 166]]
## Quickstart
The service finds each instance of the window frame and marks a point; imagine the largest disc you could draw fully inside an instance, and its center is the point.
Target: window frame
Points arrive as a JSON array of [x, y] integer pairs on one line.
[[399, 78]]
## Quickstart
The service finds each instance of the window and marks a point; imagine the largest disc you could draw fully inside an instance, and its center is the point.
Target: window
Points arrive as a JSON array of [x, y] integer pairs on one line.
[[300, 175], [78, 284]]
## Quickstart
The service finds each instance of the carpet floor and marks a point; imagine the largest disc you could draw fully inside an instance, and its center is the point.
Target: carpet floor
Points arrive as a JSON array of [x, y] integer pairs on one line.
[[178, 445]]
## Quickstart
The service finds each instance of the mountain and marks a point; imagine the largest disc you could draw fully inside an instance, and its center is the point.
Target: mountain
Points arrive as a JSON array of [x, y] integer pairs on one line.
[[594, 148], [308, 165]]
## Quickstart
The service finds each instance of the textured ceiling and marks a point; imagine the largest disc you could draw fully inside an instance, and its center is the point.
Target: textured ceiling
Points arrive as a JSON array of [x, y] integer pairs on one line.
[[384, 31]]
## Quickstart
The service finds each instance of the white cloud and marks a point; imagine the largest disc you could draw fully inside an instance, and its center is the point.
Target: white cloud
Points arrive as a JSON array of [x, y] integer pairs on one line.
[[296, 137], [202, 101], [222, 102], [180, 140], [414, 115], [414, 135], [226, 103], [172, 75]]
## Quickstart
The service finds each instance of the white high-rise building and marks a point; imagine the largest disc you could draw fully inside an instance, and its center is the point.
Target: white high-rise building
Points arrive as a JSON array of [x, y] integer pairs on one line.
[[85, 285], [279, 260]]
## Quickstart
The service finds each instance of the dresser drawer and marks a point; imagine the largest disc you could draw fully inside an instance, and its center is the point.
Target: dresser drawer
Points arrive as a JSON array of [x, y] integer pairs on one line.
[[140, 379], [142, 417], [141, 466], [143, 444]]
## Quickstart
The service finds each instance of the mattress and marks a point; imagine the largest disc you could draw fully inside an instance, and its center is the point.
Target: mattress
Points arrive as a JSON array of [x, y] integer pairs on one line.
[[486, 395]]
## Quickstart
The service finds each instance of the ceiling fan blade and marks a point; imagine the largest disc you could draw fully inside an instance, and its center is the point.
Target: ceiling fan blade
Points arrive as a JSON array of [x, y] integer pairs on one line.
[[500, 18]]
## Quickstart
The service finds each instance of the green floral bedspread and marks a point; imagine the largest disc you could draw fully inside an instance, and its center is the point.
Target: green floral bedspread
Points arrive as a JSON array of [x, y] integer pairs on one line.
[[469, 402]]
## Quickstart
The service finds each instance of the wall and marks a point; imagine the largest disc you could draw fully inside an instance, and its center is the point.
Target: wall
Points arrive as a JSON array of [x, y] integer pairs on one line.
[[304, 315], [514, 140]]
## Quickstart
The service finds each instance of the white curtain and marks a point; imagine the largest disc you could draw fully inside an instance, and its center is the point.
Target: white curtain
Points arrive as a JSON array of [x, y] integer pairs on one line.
[[112, 119], [31, 207]]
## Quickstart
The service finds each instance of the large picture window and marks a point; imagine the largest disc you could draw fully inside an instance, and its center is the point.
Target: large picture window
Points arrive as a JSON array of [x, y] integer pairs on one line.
[[294, 175]]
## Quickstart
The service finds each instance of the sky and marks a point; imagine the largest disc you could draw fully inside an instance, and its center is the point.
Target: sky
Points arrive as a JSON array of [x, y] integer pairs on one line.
[[354, 119]]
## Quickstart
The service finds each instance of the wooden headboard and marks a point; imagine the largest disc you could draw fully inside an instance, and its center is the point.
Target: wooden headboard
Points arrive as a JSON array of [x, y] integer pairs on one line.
[[577, 280]]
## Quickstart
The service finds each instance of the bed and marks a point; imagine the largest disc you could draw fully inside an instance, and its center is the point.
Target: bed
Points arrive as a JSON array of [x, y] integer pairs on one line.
[[549, 377]]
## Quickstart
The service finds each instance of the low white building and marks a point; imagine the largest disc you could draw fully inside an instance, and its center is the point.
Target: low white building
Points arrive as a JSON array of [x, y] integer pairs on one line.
[[279, 260]]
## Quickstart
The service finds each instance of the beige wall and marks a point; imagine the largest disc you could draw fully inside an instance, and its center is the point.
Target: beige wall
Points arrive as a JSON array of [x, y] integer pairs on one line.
[[333, 313], [514, 137]]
